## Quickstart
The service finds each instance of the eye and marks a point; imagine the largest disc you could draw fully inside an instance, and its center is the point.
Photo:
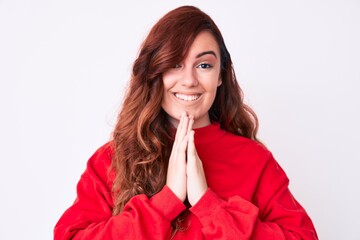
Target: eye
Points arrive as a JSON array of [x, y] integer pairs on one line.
[[177, 66], [204, 65]]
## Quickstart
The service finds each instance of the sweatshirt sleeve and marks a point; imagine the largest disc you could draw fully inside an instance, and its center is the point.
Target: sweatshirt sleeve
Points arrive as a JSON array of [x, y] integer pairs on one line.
[[273, 213], [90, 217]]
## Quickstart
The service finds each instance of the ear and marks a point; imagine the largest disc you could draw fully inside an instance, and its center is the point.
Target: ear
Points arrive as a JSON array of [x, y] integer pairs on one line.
[[219, 82]]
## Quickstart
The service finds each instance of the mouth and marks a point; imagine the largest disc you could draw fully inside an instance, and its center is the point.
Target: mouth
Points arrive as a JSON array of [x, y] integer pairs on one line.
[[186, 97]]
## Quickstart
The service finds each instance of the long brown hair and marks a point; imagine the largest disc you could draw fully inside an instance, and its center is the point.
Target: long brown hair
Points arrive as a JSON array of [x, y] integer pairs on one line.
[[142, 137]]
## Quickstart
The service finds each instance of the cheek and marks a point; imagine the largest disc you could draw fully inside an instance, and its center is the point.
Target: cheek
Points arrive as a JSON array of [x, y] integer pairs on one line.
[[169, 108], [212, 90], [211, 99], [168, 82], [212, 83], [166, 104]]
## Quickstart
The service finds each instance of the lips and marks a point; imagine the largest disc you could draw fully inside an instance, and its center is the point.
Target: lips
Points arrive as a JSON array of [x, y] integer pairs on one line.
[[186, 97]]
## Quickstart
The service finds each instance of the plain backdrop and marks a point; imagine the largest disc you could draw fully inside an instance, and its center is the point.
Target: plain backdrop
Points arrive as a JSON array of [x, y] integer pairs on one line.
[[64, 66]]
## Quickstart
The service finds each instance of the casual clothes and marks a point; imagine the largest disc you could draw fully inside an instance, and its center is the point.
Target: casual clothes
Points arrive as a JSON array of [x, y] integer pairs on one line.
[[247, 198]]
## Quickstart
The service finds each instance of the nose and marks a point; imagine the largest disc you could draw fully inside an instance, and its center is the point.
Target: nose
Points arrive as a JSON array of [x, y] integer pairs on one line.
[[189, 78]]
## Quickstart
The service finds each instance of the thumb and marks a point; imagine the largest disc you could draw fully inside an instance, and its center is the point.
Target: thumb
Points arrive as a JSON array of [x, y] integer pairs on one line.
[[191, 151]]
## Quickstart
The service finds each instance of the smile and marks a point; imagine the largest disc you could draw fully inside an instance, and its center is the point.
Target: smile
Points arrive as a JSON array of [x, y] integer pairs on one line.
[[188, 98]]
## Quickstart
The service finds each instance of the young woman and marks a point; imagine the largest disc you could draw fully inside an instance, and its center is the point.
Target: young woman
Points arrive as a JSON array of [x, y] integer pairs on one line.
[[184, 161]]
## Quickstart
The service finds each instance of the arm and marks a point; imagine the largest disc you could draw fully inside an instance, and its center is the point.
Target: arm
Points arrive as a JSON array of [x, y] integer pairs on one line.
[[274, 213], [90, 217]]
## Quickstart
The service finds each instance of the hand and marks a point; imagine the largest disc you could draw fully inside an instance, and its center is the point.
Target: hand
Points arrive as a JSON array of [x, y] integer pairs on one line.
[[196, 181], [176, 174]]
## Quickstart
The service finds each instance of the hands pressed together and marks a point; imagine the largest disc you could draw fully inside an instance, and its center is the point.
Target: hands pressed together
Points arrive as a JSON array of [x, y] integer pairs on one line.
[[185, 176]]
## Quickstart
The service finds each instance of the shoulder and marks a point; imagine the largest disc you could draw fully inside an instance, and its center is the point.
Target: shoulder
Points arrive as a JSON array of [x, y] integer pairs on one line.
[[250, 153], [98, 165], [261, 158], [254, 156], [103, 153], [246, 146]]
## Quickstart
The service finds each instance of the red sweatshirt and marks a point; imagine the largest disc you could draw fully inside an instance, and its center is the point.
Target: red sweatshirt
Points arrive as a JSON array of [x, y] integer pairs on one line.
[[248, 198]]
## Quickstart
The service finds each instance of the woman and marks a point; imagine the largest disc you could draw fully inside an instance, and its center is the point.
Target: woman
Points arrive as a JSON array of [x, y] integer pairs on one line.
[[184, 162]]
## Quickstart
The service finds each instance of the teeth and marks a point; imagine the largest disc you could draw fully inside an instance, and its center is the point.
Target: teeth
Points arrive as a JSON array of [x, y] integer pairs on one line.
[[187, 97]]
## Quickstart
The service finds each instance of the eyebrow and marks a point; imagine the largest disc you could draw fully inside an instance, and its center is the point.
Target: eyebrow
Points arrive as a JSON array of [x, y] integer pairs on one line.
[[207, 52]]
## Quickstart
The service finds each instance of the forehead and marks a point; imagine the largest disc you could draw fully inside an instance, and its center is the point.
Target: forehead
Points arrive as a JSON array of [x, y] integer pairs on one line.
[[204, 41]]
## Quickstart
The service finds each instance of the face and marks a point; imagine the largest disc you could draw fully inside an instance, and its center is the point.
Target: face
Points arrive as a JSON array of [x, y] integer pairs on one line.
[[191, 85]]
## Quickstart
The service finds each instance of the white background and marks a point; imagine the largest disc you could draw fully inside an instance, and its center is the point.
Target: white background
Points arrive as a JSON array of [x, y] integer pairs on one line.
[[64, 66]]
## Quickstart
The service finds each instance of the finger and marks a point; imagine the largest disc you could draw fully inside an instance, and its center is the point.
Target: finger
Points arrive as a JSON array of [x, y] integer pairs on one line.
[[176, 174], [181, 123], [191, 151], [196, 180], [190, 124], [184, 122], [180, 133], [183, 137]]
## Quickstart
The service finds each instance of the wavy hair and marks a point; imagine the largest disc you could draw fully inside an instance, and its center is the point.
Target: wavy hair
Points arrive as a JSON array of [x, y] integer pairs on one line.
[[143, 136]]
